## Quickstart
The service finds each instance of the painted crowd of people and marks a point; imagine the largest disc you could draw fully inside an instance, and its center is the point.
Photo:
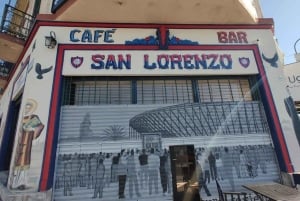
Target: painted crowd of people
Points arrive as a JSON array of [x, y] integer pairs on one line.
[[231, 163], [140, 173], [135, 169]]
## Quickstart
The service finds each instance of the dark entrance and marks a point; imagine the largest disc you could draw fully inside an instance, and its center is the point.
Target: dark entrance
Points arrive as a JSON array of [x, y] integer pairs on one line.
[[184, 174], [9, 135]]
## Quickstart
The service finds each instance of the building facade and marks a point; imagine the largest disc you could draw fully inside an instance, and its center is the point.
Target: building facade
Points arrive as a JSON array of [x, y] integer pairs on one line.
[[132, 109], [292, 74]]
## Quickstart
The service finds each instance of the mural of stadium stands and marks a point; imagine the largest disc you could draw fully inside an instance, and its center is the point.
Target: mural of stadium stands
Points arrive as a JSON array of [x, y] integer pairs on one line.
[[201, 119]]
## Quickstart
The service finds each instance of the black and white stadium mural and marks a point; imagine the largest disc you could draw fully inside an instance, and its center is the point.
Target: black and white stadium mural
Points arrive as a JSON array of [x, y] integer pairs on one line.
[[126, 152]]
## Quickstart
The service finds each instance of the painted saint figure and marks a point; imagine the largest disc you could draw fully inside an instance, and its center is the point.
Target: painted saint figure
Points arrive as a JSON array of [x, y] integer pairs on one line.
[[30, 130]]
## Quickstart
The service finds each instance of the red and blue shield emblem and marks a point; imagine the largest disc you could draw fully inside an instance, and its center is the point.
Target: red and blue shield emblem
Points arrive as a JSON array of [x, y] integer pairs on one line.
[[245, 62], [76, 61]]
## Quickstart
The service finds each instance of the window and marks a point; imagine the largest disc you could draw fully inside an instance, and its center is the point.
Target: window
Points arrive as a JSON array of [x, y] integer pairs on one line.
[[148, 90], [93, 91], [223, 90], [102, 92], [164, 91]]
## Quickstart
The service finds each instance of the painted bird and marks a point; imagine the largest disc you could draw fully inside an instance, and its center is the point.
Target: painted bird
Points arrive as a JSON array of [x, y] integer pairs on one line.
[[40, 71], [272, 61]]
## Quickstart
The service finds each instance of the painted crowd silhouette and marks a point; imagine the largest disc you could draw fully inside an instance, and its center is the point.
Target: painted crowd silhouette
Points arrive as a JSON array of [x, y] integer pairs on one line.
[[135, 173]]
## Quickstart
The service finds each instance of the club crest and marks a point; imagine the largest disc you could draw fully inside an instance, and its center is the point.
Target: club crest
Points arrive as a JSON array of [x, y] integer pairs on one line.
[[76, 61], [244, 61]]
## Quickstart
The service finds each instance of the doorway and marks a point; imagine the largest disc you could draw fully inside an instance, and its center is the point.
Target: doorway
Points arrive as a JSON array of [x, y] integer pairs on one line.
[[184, 174], [9, 135]]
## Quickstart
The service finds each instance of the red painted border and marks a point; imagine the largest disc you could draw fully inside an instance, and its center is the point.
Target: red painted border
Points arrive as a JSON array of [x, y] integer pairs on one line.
[[40, 22], [277, 124], [52, 120], [167, 26], [57, 84]]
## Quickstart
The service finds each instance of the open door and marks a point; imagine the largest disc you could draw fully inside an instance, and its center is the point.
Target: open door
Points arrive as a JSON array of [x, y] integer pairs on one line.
[[184, 174]]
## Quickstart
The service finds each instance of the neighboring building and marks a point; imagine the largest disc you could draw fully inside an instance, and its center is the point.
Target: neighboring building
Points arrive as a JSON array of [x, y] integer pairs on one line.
[[129, 96], [292, 73]]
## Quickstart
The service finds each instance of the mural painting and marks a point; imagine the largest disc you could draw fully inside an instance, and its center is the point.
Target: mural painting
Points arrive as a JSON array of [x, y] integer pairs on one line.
[[30, 129], [121, 152]]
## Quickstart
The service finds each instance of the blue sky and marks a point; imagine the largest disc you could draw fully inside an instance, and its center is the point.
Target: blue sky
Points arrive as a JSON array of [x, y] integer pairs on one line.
[[286, 17]]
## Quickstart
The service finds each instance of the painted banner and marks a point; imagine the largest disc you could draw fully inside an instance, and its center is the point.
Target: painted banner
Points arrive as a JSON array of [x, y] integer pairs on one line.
[[131, 62]]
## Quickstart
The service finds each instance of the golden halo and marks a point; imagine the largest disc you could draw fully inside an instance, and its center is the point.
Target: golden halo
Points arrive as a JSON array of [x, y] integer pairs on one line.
[[33, 105]]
